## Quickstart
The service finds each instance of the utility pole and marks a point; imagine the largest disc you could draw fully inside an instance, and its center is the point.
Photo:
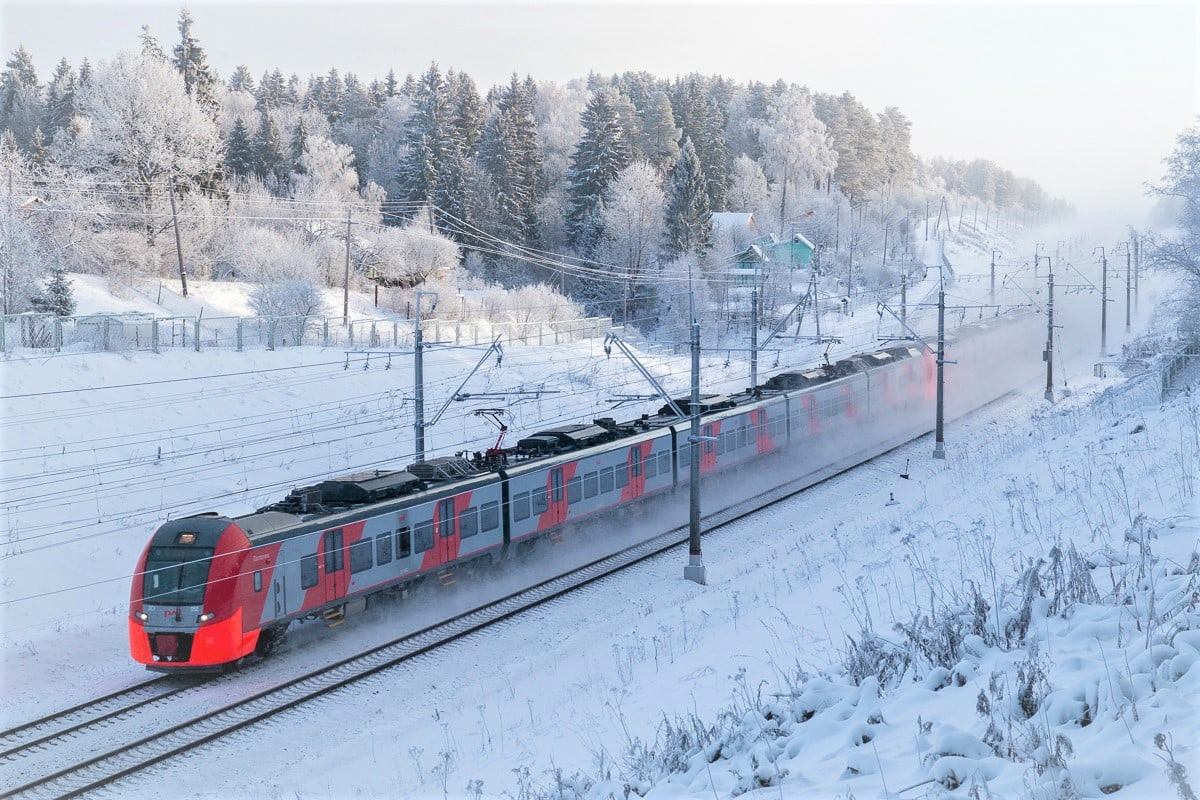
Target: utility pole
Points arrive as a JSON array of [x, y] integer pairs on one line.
[[1137, 268], [1048, 355], [346, 279], [178, 244], [939, 443], [1128, 286], [419, 378], [927, 219], [903, 298], [694, 571], [995, 254], [754, 330], [1036, 255], [812, 282], [1103, 301]]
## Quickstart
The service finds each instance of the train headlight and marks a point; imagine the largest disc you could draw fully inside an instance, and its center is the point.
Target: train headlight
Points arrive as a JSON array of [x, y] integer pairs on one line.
[[141, 615], [205, 617]]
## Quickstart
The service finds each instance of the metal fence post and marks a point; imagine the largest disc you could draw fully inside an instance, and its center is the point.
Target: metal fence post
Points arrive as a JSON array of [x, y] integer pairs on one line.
[[196, 337], [106, 321], [271, 333]]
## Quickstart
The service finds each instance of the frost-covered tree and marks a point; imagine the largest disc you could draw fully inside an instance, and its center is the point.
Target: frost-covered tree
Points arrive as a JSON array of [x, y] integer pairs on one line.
[[602, 152], [511, 157], [1180, 254], [20, 98], [58, 299], [701, 119], [199, 80], [138, 127], [60, 98], [239, 150], [896, 132], [748, 190], [658, 138], [270, 151], [286, 297], [795, 145], [241, 80], [633, 219], [688, 215], [427, 137], [861, 168]]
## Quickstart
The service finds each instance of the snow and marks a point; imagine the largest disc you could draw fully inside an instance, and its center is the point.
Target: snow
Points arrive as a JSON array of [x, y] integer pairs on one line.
[[647, 681]]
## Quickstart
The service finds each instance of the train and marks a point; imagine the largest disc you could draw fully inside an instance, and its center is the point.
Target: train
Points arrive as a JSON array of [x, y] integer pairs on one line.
[[211, 591]]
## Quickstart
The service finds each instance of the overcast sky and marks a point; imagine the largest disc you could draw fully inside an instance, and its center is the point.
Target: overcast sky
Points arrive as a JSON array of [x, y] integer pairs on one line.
[[1086, 98]]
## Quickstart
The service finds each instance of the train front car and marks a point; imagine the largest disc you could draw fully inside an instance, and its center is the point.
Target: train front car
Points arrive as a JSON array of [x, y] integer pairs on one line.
[[184, 614]]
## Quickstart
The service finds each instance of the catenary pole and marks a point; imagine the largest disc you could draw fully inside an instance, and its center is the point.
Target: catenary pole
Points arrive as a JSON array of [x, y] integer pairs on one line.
[[694, 571], [178, 243]]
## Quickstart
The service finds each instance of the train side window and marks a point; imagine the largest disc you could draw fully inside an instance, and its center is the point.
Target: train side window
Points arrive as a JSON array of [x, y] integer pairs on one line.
[[606, 480], [591, 485], [308, 571], [622, 476], [489, 516], [520, 506], [258, 580], [635, 463], [383, 549], [575, 490], [423, 537], [664, 463], [360, 556], [538, 501], [650, 467], [403, 542], [743, 436], [468, 522]]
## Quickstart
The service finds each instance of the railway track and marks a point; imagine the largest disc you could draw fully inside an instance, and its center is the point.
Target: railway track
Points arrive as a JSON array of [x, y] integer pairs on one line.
[[42, 758]]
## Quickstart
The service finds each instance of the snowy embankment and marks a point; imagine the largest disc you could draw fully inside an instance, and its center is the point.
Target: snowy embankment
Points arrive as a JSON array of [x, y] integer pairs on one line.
[[1042, 577]]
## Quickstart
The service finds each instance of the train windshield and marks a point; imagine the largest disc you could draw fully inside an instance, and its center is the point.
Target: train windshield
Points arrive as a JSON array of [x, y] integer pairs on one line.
[[176, 576]]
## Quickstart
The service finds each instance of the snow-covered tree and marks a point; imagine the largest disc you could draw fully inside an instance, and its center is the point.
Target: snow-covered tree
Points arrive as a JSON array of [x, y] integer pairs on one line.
[[20, 98], [286, 297], [796, 147], [861, 168], [199, 80], [511, 157], [271, 151], [633, 229], [239, 151], [60, 99], [138, 127], [1180, 254], [688, 215], [748, 190], [896, 133], [602, 152], [58, 298], [658, 138]]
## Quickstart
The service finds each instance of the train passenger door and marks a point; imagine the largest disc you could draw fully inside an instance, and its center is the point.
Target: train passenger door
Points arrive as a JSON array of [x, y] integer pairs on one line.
[[447, 538], [558, 496], [334, 578]]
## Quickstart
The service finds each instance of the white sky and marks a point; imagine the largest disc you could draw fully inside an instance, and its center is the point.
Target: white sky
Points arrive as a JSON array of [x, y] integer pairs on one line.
[[1086, 98]]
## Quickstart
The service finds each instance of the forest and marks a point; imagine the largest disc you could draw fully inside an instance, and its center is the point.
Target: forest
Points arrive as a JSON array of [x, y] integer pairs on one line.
[[594, 197]]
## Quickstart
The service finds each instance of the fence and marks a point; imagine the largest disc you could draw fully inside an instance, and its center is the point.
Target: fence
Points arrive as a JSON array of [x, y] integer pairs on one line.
[[127, 332], [1173, 364]]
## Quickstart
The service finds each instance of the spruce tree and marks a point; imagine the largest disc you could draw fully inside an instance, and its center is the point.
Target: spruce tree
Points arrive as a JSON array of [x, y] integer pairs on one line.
[[270, 157], [239, 150], [60, 98], [241, 80], [20, 98], [688, 214], [602, 152], [426, 134], [198, 78], [58, 298]]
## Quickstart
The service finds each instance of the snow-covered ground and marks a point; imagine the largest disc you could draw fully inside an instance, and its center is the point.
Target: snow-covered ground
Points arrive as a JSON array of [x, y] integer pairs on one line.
[[1017, 617]]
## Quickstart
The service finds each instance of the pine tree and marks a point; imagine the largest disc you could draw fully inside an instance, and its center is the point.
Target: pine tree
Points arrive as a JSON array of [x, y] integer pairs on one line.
[[602, 152], [659, 134], [239, 150], [58, 298], [198, 79], [688, 214]]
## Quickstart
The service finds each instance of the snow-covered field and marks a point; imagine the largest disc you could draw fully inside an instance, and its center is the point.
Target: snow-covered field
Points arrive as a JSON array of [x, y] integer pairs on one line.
[[1019, 620]]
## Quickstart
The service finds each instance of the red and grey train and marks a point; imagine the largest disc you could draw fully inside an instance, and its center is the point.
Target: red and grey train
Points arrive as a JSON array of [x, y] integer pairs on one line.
[[211, 590]]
